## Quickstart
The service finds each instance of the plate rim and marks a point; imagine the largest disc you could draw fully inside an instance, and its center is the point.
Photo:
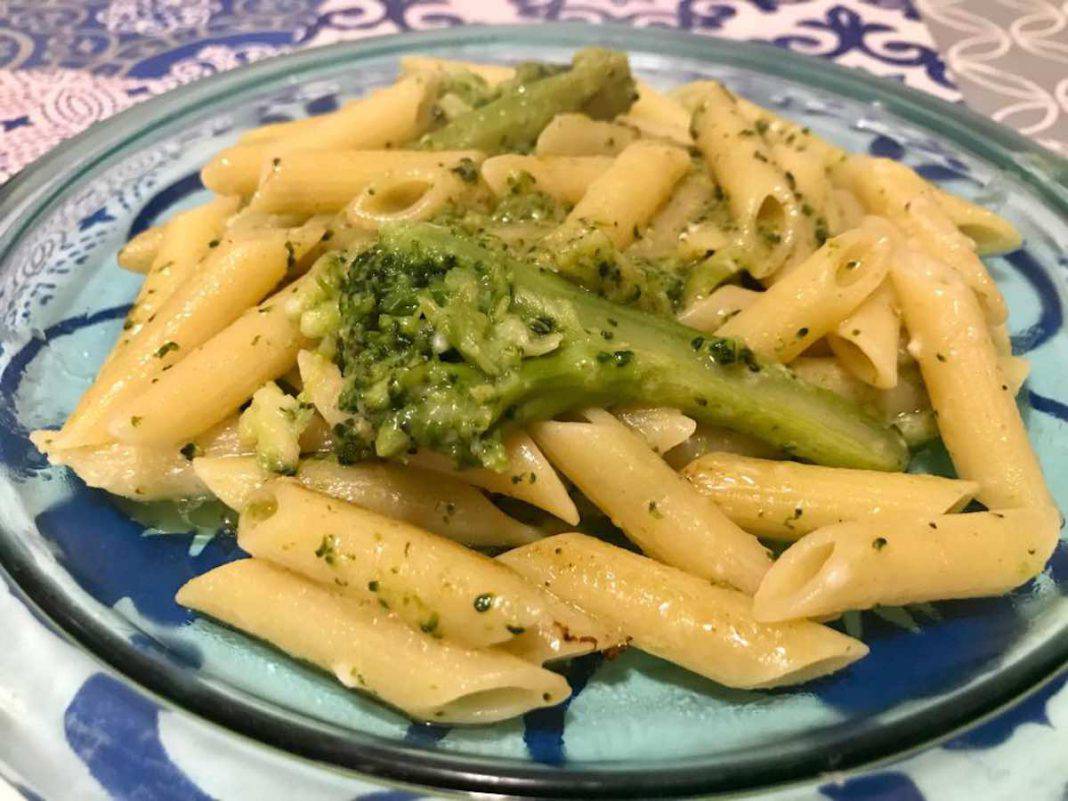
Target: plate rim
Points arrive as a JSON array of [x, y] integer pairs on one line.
[[30, 193]]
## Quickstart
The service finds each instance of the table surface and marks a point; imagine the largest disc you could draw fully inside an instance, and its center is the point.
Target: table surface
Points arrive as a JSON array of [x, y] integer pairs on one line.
[[65, 64]]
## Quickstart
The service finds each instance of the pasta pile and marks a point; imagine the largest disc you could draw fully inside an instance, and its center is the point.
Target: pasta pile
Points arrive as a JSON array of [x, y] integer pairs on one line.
[[439, 563]]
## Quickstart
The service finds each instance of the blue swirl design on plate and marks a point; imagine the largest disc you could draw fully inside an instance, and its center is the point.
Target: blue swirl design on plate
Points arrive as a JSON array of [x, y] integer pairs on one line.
[[889, 786], [1051, 315], [114, 730], [543, 729]]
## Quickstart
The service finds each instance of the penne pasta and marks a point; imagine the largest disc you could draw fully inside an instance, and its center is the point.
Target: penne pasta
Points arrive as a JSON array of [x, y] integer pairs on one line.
[[681, 618], [764, 208], [610, 207], [884, 181], [578, 135], [130, 471], [433, 583], [318, 182], [786, 500], [387, 118], [187, 240], [660, 427], [899, 559], [814, 298], [369, 649], [708, 314], [711, 439], [492, 74], [892, 190], [657, 509], [529, 478], [572, 633], [671, 230], [439, 504], [564, 178], [138, 254], [868, 341], [236, 276], [203, 389], [658, 116], [949, 340], [403, 197]]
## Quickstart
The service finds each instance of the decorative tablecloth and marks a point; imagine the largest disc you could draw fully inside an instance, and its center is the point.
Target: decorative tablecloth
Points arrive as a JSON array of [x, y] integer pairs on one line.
[[73, 731]]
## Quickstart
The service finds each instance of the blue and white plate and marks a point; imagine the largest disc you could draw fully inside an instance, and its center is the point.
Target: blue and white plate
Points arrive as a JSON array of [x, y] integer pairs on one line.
[[105, 663]]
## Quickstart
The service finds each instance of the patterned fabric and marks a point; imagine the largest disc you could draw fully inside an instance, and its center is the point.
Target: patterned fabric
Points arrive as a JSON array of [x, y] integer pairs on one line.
[[65, 64], [1011, 59]]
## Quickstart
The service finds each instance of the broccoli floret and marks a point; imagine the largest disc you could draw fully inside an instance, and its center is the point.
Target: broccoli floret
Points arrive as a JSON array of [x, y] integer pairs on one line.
[[272, 424], [598, 83], [446, 344]]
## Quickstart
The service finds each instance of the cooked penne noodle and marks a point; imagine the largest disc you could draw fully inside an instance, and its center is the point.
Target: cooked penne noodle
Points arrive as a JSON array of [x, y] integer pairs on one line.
[[203, 389], [611, 207], [658, 116], [708, 314], [975, 406], [397, 197], [323, 182], [990, 232], [899, 183], [892, 190], [492, 74], [814, 298], [138, 254], [386, 118], [274, 131], [660, 427], [234, 277], [1014, 370], [529, 478], [185, 241], [141, 473], [656, 508], [763, 205], [572, 633], [867, 342], [892, 560], [439, 504], [681, 618], [712, 439], [669, 231], [431, 582], [369, 649], [786, 500], [578, 135], [564, 178], [932, 231]]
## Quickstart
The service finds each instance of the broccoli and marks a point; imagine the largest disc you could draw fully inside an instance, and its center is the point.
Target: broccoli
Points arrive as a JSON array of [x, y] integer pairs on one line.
[[599, 83], [445, 342]]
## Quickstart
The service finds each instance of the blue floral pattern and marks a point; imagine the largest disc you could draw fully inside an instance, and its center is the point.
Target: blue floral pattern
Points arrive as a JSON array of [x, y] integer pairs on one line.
[[65, 65]]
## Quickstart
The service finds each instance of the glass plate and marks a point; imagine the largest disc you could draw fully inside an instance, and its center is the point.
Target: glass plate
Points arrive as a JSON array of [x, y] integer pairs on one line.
[[635, 726]]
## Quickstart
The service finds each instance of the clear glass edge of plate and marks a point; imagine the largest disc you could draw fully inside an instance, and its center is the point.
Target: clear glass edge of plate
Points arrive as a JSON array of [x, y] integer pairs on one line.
[[31, 192]]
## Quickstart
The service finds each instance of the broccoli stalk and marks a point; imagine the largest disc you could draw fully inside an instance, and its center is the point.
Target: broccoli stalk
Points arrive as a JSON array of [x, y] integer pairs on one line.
[[598, 83], [446, 342]]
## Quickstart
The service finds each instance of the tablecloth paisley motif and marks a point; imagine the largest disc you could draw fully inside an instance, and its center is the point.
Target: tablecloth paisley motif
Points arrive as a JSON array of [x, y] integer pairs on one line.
[[65, 64], [73, 729]]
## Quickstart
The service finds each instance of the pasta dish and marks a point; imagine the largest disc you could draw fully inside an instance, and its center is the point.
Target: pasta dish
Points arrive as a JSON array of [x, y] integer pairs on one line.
[[500, 366]]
